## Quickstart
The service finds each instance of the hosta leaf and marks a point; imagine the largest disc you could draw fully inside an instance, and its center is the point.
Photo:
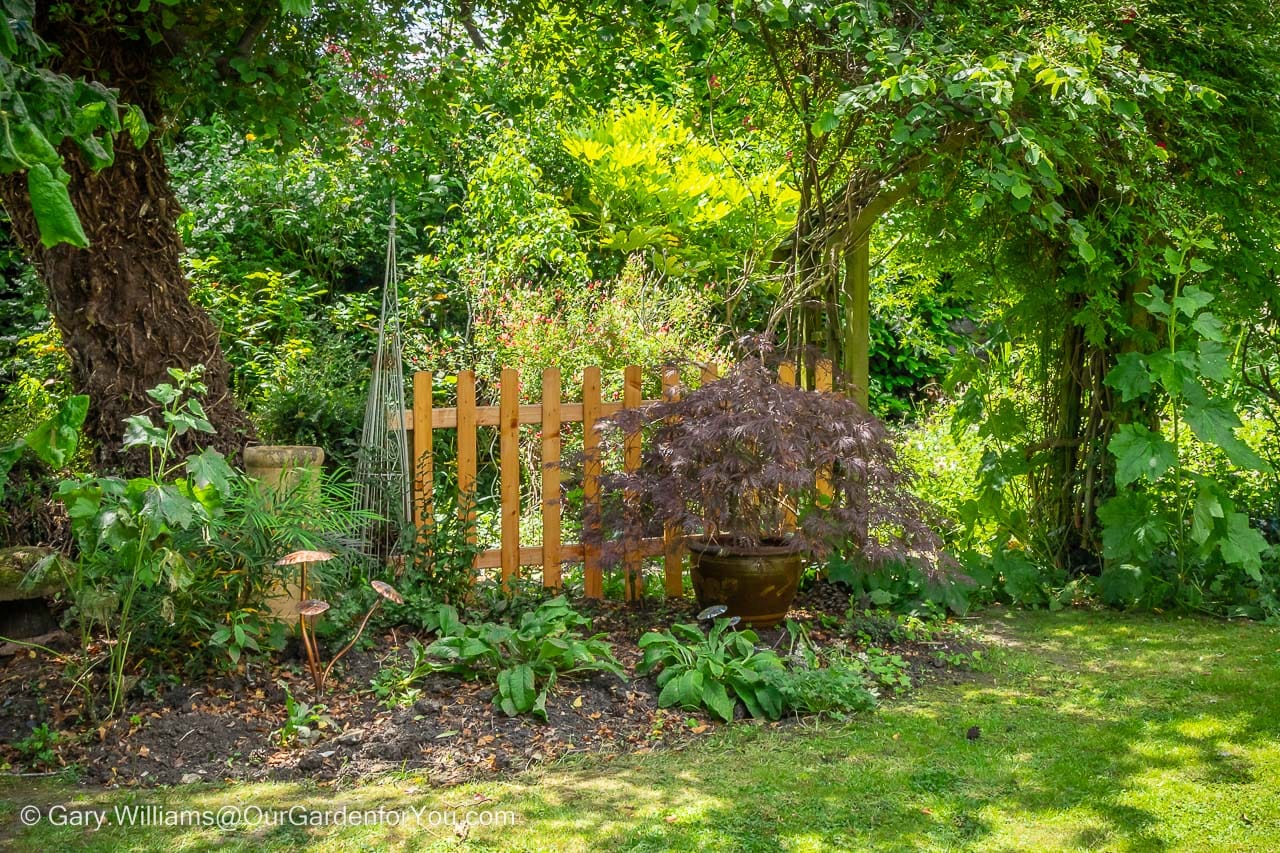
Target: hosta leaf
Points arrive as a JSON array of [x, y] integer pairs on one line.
[[717, 700], [515, 687], [684, 690]]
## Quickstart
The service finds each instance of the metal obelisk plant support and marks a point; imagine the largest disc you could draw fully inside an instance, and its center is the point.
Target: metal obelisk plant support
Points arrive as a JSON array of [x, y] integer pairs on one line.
[[383, 469]]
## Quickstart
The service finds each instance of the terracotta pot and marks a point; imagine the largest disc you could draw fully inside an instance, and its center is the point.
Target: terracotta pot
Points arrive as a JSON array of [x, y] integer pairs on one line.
[[757, 584]]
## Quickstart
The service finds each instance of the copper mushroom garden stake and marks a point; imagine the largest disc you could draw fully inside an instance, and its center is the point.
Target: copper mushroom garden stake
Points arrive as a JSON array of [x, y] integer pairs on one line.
[[309, 608]]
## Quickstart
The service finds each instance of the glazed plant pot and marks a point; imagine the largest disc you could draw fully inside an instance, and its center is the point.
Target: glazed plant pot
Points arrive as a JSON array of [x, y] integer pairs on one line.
[[757, 584]]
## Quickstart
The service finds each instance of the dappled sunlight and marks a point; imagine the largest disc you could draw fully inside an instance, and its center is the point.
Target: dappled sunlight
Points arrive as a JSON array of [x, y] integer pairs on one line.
[[1148, 744]]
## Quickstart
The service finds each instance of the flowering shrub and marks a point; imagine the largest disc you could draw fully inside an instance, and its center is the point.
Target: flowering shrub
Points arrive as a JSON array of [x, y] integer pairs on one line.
[[634, 319]]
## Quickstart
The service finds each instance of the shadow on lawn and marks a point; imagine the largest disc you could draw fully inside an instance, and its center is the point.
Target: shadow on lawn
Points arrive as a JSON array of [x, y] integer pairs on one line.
[[1105, 701], [1080, 714]]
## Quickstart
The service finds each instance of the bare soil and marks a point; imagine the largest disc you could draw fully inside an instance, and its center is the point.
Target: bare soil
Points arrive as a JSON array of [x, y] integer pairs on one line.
[[227, 727]]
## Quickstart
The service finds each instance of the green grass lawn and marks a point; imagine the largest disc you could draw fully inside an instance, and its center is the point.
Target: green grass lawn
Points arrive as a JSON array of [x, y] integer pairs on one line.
[[1098, 731]]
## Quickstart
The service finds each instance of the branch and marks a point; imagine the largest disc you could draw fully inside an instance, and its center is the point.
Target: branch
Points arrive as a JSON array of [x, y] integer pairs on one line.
[[467, 15], [252, 32]]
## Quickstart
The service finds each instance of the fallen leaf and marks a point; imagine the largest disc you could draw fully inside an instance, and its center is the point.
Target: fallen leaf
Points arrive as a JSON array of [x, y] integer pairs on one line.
[[577, 703]]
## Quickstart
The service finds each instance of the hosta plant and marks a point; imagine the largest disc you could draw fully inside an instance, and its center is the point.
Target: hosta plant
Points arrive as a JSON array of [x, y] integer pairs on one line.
[[524, 659], [715, 670]]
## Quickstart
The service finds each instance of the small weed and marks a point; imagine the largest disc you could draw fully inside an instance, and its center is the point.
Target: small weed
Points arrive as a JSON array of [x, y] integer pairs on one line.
[[40, 747], [303, 722], [886, 669], [395, 684]]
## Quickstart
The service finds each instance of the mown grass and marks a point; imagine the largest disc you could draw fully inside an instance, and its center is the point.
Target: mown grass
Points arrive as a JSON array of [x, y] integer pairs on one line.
[[1098, 731]]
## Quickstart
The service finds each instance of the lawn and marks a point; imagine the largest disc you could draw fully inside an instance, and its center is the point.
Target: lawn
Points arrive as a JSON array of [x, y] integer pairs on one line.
[[1097, 731]]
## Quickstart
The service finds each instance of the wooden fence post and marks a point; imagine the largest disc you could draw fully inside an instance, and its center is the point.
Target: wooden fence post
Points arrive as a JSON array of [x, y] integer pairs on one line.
[[822, 382], [509, 471], [632, 562], [551, 477], [787, 376], [422, 498], [592, 573]]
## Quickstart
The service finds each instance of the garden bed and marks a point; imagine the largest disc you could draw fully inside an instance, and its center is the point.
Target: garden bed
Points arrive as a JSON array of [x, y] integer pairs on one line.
[[228, 727]]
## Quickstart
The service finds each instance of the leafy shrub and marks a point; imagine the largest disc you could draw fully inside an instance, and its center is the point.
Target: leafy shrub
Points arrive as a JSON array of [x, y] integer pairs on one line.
[[696, 208], [883, 627], [633, 319], [721, 668], [901, 585], [184, 557], [523, 659], [745, 455], [439, 565], [837, 688]]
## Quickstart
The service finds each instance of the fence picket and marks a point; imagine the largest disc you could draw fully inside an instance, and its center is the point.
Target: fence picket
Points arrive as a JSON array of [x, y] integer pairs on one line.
[[673, 541], [422, 471], [592, 573], [509, 471], [632, 562], [551, 477], [467, 449]]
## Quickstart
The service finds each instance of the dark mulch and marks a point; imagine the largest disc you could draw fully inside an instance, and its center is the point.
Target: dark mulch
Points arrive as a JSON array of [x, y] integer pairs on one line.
[[224, 728]]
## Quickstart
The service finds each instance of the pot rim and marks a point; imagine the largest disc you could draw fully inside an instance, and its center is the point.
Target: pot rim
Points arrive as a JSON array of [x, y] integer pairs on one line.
[[702, 544]]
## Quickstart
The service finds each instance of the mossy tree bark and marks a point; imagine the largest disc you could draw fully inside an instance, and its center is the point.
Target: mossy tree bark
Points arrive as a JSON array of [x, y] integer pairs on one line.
[[123, 305]]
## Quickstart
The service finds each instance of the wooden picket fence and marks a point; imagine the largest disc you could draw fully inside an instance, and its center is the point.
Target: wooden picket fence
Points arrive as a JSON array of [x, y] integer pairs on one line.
[[552, 414]]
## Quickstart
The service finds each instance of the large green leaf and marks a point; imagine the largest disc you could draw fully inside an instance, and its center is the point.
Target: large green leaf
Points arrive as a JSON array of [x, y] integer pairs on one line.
[[210, 468], [1215, 422], [1130, 376], [1242, 546], [515, 690], [51, 204], [55, 440], [1132, 529], [684, 690], [1140, 453]]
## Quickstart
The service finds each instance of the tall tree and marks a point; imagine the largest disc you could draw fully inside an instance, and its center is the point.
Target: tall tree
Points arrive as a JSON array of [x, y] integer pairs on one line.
[[88, 90]]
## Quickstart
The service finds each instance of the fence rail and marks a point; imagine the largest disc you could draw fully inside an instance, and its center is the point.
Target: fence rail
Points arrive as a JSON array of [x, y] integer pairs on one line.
[[552, 414]]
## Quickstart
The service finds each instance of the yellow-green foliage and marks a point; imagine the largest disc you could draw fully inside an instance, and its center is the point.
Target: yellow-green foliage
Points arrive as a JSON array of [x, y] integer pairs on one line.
[[654, 185]]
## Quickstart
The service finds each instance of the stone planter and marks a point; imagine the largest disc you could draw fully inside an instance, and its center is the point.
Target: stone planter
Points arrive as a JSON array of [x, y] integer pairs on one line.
[[281, 468], [24, 610]]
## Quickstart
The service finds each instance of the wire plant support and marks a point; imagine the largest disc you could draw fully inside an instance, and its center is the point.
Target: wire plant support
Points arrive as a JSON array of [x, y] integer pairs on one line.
[[383, 472]]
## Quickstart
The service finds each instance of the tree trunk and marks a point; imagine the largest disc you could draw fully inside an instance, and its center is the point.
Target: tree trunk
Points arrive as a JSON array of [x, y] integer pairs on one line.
[[123, 305]]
